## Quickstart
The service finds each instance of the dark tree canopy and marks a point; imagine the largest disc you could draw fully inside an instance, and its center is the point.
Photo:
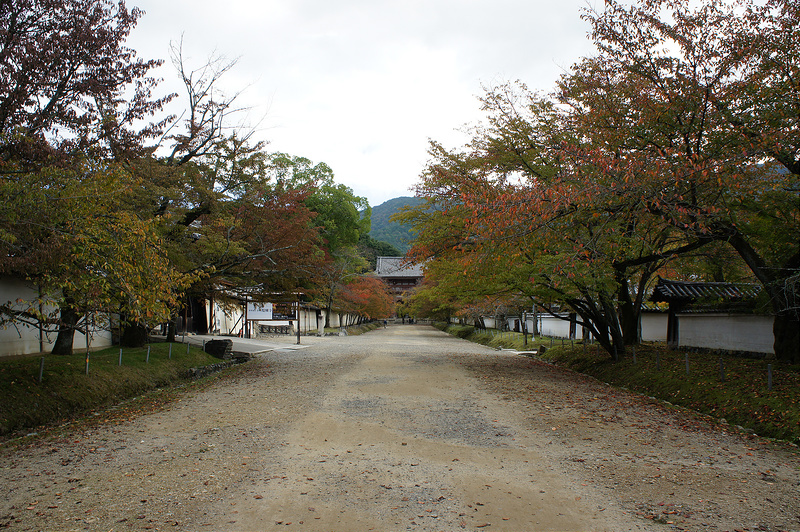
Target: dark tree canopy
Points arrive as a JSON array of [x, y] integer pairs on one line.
[[68, 83]]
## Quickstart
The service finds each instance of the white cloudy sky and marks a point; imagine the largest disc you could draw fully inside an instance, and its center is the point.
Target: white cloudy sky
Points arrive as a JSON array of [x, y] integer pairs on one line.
[[362, 85]]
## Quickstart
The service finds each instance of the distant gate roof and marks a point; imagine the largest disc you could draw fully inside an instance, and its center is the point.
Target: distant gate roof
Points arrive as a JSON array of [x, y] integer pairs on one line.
[[397, 267]]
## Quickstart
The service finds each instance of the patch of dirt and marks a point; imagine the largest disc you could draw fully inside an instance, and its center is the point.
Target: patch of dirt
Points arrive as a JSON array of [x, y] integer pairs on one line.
[[403, 428], [647, 458]]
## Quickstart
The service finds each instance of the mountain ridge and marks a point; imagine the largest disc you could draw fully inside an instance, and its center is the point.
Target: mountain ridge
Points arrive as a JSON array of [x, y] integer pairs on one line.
[[385, 230]]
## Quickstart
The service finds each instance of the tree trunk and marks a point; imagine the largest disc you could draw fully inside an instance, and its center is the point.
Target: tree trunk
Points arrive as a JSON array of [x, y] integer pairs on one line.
[[629, 319], [612, 321], [629, 311], [602, 321], [66, 328], [134, 335], [172, 329], [787, 336], [783, 293]]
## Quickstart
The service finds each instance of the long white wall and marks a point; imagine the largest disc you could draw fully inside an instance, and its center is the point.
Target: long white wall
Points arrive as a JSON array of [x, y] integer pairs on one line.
[[228, 321], [731, 332], [24, 339], [556, 327]]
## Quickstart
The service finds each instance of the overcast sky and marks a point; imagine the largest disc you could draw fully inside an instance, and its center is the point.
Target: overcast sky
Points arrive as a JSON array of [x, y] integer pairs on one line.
[[362, 85]]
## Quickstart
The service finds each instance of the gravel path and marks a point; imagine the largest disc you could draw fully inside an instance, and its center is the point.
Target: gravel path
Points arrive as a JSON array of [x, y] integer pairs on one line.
[[402, 429]]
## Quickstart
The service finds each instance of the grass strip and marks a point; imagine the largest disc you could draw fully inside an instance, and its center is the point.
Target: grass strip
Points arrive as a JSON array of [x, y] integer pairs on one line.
[[66, 391]]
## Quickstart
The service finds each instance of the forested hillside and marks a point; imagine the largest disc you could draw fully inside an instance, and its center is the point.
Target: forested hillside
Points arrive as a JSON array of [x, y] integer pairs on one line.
[[385, 230]]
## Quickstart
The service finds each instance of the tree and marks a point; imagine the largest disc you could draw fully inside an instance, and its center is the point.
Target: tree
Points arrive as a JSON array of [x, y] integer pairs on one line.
[[528, 211], [367, 296], [87, 256], [708, 95], [68, 84], [338, 211], [71, 96], [234, 223], [208, 109], [371, 249]]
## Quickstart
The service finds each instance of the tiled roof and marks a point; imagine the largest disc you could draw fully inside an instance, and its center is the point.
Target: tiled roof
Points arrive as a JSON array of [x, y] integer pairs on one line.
[[397, 267], [687, 292]]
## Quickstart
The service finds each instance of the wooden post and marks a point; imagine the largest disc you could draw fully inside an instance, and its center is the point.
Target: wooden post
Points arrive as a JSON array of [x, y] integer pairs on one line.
[[86, 335], [41, 369], [120, 357], [41, 329], [524, 329], [686, 357], [245, 324]]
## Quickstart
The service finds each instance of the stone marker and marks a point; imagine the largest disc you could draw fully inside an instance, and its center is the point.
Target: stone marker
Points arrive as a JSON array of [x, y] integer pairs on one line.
[[220, 348]]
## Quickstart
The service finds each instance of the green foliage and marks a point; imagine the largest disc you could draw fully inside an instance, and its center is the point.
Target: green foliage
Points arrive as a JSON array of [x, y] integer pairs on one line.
[[337, 215], [337, 209], [387, 230], [371, 249], [70, 231], [66, 391], [429, 301]]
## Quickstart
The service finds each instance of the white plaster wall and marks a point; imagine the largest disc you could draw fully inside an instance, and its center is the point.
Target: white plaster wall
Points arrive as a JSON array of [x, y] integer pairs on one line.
[[726, 331], [227, 320], [333, 319], [529, 323], [557, 328], [308, 321], [654, 326]]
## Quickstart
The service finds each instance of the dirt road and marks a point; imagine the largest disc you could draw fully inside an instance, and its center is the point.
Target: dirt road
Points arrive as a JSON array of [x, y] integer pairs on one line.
[[402, 429]]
